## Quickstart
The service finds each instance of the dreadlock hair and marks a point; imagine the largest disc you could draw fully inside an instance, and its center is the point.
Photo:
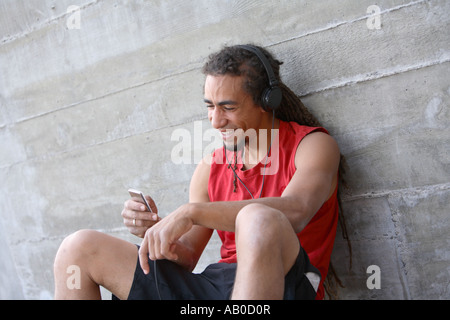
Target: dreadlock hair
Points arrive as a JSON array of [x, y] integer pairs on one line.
[[236, 61]]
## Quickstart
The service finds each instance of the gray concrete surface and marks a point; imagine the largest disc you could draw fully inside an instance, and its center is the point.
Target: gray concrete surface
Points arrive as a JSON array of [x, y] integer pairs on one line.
[[90, 99]]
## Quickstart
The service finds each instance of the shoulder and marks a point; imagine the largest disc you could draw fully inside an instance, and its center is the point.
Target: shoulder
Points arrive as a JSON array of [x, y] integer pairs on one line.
[[318, 147], [307, 136], [296, 129], [306, 140]]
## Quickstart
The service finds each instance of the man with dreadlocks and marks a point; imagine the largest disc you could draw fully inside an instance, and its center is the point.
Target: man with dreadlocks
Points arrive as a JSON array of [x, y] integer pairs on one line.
[[273, 203]]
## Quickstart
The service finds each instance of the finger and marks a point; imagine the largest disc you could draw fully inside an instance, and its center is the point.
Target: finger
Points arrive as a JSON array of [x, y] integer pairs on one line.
[[157, 247], [172, 250], [135, 204], [136, 225], [151, 204], [146, 216], [168, 251], [138, 232], [167, 245], [143, 256], [138, 215], [150, 240]]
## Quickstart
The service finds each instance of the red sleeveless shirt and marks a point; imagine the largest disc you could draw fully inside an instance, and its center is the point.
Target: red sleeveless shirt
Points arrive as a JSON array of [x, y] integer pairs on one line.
[[317, 238]]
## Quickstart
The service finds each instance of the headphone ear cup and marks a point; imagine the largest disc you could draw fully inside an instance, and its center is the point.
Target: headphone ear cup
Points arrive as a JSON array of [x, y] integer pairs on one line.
[[271, 98]]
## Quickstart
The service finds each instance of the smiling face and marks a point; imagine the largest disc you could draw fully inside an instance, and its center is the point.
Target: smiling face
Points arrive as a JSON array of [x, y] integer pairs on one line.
[[232, 111]]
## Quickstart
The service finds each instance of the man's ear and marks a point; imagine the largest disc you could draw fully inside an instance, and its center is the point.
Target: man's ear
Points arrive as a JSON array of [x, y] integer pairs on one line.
[[262, 109]]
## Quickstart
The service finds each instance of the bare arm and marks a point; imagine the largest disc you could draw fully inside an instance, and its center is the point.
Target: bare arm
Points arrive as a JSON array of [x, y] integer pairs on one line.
[[317, 161], [198, 237], [186, 248]]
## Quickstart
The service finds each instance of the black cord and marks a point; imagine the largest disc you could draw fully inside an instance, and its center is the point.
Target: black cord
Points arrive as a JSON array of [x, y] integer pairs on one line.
[[265, 164], [156, 280], [262, 186]]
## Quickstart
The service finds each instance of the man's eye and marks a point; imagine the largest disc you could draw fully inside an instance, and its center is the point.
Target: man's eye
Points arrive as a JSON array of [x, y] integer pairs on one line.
[[209, 106], [228, 109]]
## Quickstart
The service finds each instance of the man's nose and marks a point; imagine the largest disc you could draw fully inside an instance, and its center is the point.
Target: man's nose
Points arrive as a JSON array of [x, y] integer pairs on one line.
[[217, 118]]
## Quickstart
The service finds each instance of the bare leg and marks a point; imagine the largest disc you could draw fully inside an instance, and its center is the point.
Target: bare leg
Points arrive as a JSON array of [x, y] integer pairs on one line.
[[100, 259], [267, 248]]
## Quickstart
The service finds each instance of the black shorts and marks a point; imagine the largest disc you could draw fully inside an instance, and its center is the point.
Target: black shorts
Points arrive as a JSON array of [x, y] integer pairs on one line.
[[214, 283]]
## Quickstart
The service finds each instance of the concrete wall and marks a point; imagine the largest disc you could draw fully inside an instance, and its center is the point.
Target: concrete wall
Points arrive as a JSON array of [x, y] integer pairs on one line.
[[89, 106]]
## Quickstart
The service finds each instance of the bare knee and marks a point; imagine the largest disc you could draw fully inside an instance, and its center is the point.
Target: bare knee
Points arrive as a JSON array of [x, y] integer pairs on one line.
[[265, 233], [82, 239], [261, 223], [262, 215], [76, 246], [75, 255]]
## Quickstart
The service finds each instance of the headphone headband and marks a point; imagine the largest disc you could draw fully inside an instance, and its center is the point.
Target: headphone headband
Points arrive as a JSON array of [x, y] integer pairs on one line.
[[271, 97], [272, 79]]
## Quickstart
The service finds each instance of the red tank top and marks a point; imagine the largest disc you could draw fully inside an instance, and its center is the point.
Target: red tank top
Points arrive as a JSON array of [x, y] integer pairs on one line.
[[317, 238]]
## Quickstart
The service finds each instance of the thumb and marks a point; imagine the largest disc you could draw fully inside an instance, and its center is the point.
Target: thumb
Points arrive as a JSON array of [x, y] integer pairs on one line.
[[152, 204]]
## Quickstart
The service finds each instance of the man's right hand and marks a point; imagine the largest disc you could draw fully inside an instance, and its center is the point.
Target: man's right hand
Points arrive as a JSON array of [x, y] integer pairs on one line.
[[136, 216]]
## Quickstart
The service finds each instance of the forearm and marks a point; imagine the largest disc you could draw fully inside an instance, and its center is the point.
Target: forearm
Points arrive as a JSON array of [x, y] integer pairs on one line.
[[221, 215], [185, 256], [191, 245]]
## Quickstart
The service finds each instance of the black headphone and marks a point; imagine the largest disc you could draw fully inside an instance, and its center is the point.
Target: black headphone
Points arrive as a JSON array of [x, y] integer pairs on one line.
[[271, 96]]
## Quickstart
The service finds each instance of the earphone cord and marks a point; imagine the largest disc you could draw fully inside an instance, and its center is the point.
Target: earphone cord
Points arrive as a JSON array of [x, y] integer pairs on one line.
[[265, 164], [156, 280], [235, 174]]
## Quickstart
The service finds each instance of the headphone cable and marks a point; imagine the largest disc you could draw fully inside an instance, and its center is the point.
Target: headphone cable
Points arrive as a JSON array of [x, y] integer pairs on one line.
[[265, 164], [156, 280]]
